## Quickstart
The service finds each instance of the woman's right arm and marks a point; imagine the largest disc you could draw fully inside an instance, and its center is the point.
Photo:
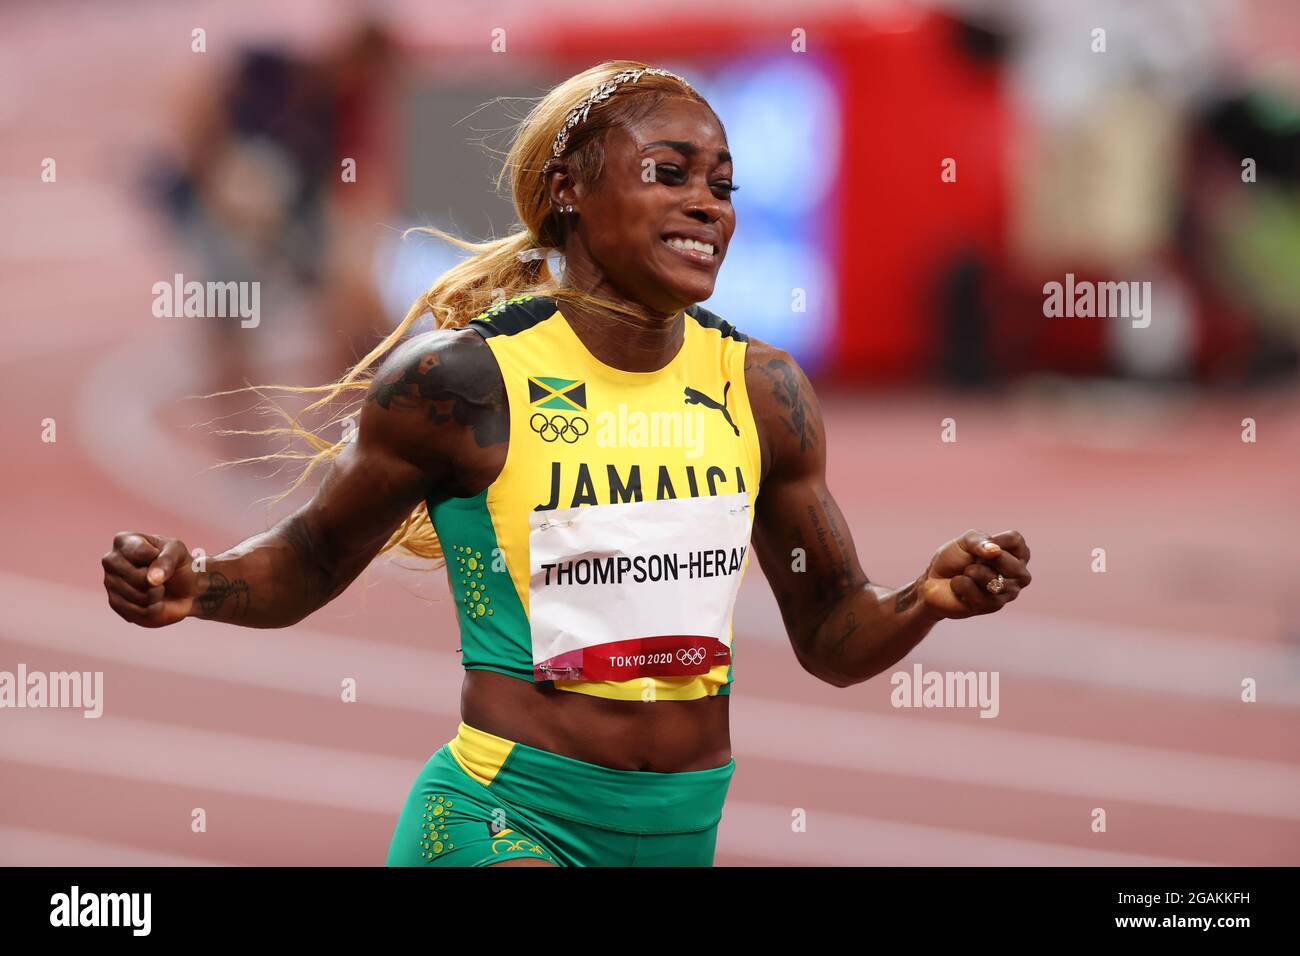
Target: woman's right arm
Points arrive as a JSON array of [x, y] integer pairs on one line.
[[434, 413]]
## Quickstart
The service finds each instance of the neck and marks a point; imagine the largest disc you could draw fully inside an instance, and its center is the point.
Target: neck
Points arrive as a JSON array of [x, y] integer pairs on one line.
[[645, 341]]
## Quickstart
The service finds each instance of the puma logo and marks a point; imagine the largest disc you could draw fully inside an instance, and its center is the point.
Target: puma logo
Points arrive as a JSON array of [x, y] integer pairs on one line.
[[696, 397]]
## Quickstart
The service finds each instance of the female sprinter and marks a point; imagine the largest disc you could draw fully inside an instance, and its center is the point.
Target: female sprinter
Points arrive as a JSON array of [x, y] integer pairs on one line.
[[589, 451]]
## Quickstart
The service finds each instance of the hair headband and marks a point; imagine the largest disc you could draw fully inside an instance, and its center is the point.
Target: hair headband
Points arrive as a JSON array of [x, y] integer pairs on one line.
[[599, 94]]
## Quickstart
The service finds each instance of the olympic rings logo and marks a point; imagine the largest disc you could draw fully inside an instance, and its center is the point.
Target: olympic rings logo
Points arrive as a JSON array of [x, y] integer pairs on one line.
[[692, 655], [557, 426]]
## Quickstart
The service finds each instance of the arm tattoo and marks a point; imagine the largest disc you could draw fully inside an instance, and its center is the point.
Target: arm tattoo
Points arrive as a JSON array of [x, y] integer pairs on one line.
[[833, 548], [221, 589], [844, 547], [786, 390], [820, 530], [472, 386], [850, 625]]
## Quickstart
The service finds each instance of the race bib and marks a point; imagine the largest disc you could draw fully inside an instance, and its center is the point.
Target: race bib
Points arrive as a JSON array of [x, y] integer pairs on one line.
[[644, 589]]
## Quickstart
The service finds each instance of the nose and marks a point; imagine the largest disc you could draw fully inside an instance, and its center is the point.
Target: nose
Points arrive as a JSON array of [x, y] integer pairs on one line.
[[703, 206]]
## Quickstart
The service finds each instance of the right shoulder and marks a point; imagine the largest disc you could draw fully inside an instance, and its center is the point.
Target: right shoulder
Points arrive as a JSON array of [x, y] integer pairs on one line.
[[437, 400], [425, 365]]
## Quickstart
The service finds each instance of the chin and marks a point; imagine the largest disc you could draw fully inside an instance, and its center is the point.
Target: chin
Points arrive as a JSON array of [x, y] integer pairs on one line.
[[684, 283], [703, 291], [688, 290]]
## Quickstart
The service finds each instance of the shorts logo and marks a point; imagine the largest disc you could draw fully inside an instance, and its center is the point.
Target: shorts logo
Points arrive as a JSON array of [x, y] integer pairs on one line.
[[558, 394], [504, 845], [690, 655]]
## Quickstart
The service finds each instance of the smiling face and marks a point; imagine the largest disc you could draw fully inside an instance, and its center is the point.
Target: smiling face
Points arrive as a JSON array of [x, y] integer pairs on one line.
[[658, 242]]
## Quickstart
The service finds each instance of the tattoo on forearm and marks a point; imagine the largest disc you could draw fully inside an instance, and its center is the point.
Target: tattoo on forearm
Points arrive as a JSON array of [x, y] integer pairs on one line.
[[472, 388], [842, 546], [820, 530], [906, 598], [221, 590], [850, 625], [787, 392], [833, 547]]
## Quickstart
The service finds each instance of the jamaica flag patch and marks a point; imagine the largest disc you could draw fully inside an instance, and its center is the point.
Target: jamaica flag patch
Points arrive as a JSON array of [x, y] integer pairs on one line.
[[568, 394]]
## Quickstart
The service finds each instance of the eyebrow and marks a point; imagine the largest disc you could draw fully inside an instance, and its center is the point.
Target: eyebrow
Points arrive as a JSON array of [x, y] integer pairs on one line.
[[685, 148]]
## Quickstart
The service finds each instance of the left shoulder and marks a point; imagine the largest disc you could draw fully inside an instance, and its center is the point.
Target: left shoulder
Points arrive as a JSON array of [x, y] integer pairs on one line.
[[785, 408]]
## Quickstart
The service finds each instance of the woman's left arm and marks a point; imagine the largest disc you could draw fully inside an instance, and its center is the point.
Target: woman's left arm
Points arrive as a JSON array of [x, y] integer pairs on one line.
[[845, 629]]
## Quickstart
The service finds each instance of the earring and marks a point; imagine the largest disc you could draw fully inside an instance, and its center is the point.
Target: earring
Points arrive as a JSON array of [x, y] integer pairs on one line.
[[568, 209]]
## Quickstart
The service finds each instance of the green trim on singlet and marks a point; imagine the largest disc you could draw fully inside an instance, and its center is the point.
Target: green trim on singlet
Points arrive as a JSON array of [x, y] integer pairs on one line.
[[494, 630], [513, 315]]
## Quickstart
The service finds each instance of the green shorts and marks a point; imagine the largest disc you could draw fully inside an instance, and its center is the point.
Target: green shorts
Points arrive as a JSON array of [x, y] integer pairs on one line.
[[482, 799]]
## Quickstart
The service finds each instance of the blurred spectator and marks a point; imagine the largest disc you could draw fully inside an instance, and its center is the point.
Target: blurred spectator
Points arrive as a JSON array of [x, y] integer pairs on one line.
[[1240, 235], [260, 191]]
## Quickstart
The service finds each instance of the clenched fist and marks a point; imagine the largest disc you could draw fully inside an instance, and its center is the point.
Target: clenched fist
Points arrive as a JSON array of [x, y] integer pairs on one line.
[[149, 579], [976, 574]]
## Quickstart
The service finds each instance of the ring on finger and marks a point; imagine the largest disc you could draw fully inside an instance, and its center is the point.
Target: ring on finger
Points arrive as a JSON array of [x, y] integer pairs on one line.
[[996, 585]]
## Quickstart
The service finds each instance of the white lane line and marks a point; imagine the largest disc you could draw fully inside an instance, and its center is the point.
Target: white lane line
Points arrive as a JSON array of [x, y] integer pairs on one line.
[[837, 839], [1117, 656], [118, 429], [910, 744], [56, 616], [1121, 657], [143, 751], [23, 846]]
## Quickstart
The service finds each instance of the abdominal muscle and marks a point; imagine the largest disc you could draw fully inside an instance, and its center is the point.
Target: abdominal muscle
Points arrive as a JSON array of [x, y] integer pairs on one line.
[[670, 736]]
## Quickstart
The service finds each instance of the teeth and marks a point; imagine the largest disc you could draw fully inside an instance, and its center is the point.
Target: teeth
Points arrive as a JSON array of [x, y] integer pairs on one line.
[[679, 243]]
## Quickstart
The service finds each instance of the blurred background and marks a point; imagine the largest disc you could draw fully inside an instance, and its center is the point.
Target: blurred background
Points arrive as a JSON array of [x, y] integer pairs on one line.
[[917, 172]]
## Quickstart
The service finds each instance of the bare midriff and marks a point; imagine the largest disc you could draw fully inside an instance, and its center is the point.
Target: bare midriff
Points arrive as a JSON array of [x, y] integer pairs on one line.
[[666, 736]]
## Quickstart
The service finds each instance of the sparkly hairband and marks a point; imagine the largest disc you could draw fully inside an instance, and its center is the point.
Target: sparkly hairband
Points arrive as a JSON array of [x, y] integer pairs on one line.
[[598, 95], [577, 115]]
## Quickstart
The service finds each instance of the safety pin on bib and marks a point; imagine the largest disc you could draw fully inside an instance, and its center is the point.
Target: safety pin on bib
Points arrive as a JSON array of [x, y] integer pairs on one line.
[[548, 523]]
